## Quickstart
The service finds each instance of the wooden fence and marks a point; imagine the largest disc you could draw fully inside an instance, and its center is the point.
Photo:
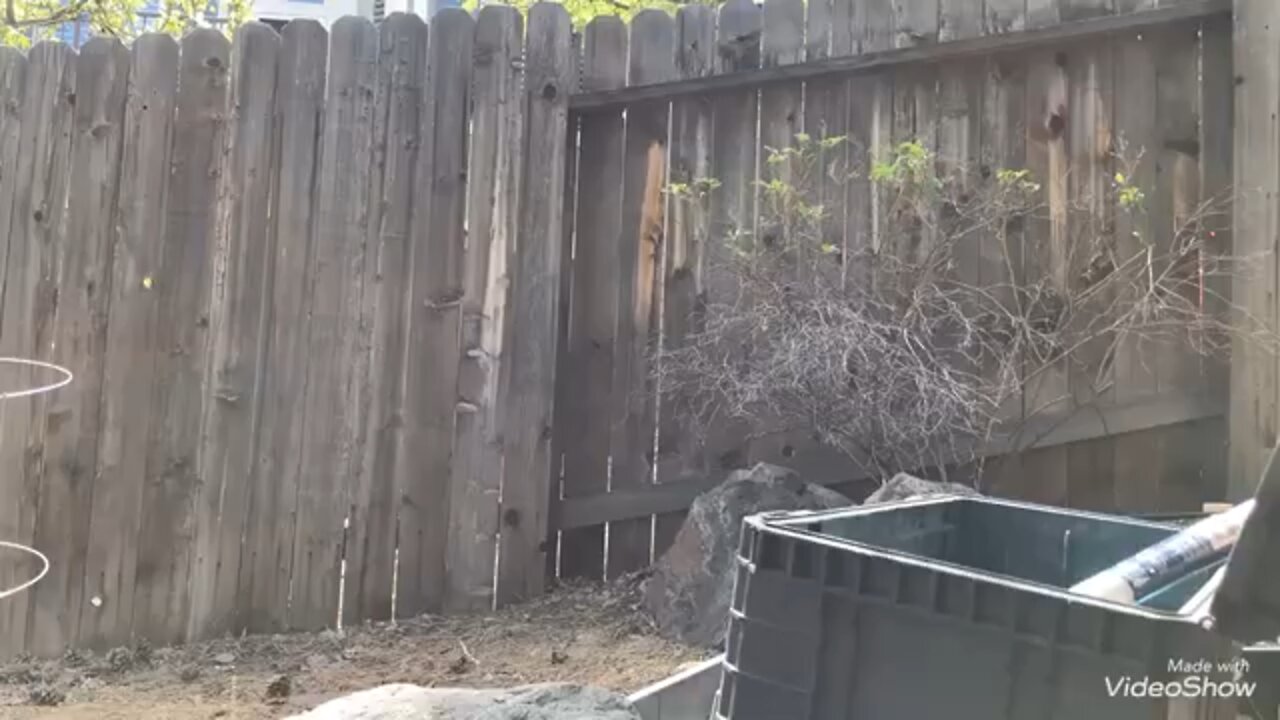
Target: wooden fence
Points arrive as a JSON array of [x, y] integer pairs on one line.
[[1051, 86], [359, 318], [278, 268]]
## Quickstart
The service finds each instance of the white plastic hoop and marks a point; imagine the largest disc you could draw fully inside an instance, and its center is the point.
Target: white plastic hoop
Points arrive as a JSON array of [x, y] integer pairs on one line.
[[64, 378], [39, 576], [63, 381]]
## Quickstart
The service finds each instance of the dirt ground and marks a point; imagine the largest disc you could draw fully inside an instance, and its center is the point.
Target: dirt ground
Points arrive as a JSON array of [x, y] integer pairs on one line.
[[585, 634]]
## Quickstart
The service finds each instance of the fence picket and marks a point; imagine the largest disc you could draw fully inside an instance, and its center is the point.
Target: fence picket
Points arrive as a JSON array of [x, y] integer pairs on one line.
[[400, 95], [549, 71], [36, 238], [644, 178], [241, 300], [437, 259], [491, 233], [133, 343], [166, 547], [73, 416], [336, 360], [594, 304], [13, 83], [267, 567], [688, 232]]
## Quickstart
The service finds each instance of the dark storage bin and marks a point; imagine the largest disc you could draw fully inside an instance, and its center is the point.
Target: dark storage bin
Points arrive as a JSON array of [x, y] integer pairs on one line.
[[954, 608]]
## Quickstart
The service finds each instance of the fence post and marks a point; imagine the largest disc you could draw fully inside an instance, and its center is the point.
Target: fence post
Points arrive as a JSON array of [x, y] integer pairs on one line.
[[535, 293], [1252, 414]]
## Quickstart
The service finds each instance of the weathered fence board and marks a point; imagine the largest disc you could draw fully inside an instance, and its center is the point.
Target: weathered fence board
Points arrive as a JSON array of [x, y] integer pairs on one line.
[[400, 94], [651, 59], [491, 232], [267, 566], [437, 263], [549, 70], [241, 300], [589, 355], [182, 281], [334, 363], [36, 238], [132, 344], [79, 343], [688, 229]]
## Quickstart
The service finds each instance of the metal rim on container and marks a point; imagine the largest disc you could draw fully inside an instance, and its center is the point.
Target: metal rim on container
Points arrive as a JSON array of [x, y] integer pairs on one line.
[[64, 378]]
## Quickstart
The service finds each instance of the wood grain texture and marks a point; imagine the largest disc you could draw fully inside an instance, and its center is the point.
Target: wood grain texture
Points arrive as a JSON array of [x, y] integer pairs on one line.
[[568, 239], [133, 345], [1004, 16], [399, 97], [586, 401], [36, 239], [424, 465], [549, 70], [874, 23], [1254, 385], [336, 349], [241, 301], [267, 566], [688, 232], [1175, 197], [1004, 147], [1217, 119], [167, 542], [73, 419], [782, 120], [915, 22], [960, 20], [651, 59], [871, 61], [1137, 143], [734, 154], [492, 215], [13, 84], [1075, 10], [1090, 211]]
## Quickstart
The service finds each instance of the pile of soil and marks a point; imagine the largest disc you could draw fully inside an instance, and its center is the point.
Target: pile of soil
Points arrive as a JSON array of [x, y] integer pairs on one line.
[[588, 634]]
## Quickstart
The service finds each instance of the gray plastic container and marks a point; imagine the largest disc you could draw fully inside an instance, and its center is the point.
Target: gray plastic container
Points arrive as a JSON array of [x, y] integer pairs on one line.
[[957, 608]]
